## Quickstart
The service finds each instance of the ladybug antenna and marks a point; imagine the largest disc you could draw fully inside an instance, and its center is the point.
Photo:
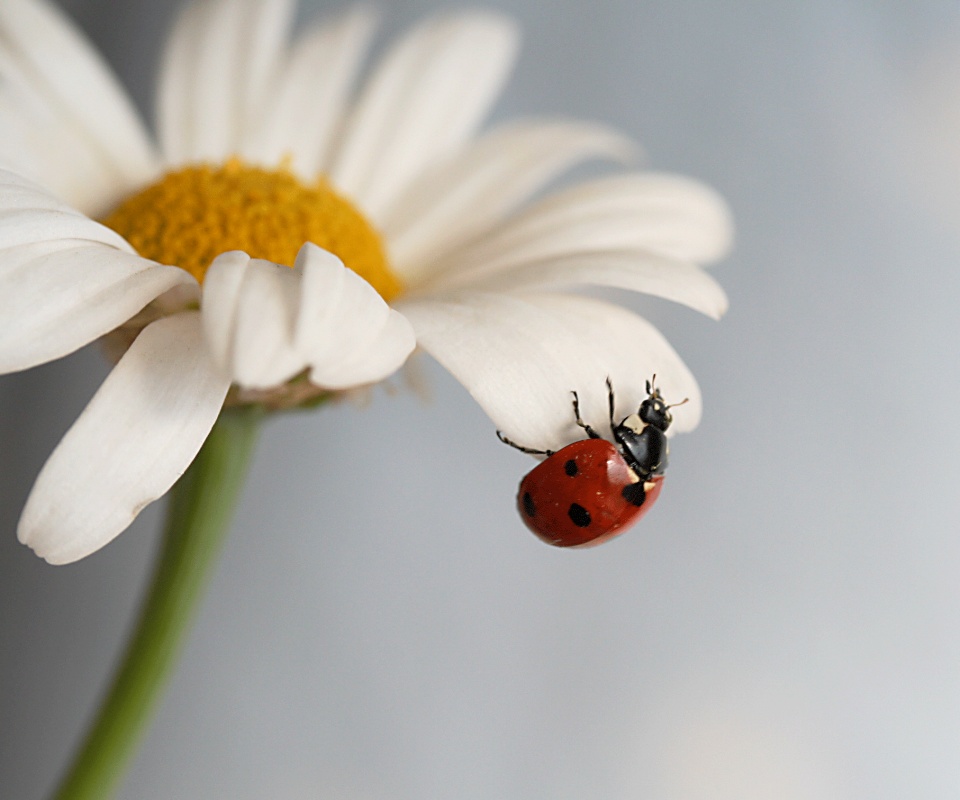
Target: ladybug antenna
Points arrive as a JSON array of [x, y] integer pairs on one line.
[[674, 405], [651, 384]]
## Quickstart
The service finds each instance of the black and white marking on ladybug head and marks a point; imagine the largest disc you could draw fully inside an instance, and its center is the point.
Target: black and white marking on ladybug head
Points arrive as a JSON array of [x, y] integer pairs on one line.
[[654, 410], [642, 436]]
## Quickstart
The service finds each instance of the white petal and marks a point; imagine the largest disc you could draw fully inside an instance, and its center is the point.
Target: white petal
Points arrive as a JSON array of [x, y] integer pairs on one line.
[[346, 332], [323, 276], [44, 53], [249, 308], [174, 99], [136, 437], [213, 84], [637, 271], [521, 356], [263, 353], [487, 180], [31, 214], [18, 191], [36, 142], [427, 97], [217, 69], [222, 284], [371, 349], [666, 214], [268, 29], [672, 214], [299, 119], [64, 279], [56, 297]]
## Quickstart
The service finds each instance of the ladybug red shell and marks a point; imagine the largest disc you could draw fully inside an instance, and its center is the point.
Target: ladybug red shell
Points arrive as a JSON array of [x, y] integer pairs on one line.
[[593, 489], [584, 495]]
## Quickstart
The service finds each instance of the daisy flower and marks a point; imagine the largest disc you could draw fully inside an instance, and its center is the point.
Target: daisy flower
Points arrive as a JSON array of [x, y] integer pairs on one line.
[[286, 236]]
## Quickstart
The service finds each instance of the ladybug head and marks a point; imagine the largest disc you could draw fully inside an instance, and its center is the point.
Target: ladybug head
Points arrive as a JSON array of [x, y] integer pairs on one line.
[[654, 410]]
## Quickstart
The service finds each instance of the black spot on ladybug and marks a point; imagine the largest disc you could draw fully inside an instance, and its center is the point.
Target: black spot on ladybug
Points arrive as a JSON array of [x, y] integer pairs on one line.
[[570, 468], [528, 505], [579, 515], [634, 493]]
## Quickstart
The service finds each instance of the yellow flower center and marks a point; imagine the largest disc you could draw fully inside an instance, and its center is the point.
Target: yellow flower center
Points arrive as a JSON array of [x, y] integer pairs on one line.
[[194, 214]]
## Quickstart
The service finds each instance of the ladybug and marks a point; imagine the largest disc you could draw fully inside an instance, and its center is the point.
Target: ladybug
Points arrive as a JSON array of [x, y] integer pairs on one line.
[[593, 489]]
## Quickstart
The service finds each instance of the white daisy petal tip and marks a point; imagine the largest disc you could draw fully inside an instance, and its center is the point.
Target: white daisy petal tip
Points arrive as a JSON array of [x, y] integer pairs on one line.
[[627, 151], [607, 142], [345, 330], [221, 288], [697, 221], [311, 254], [249, 306], [718, 219], [670, 215], [497, 27], [134, 440], [638, 271], [388, 351], [723, 304]]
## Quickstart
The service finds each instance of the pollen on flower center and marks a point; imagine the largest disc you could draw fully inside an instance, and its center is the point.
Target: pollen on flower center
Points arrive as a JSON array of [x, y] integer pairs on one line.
[[192, 215]]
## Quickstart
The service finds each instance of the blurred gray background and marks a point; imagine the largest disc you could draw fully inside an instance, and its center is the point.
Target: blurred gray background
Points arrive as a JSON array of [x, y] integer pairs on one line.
[[785, 624]]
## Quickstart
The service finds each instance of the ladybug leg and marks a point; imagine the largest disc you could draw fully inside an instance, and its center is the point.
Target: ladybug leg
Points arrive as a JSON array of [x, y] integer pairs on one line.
[[610, 403], [523, 449], [576, 410]]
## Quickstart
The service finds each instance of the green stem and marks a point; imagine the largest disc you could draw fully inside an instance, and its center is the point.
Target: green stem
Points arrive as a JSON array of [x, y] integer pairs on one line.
[[198, 515]]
